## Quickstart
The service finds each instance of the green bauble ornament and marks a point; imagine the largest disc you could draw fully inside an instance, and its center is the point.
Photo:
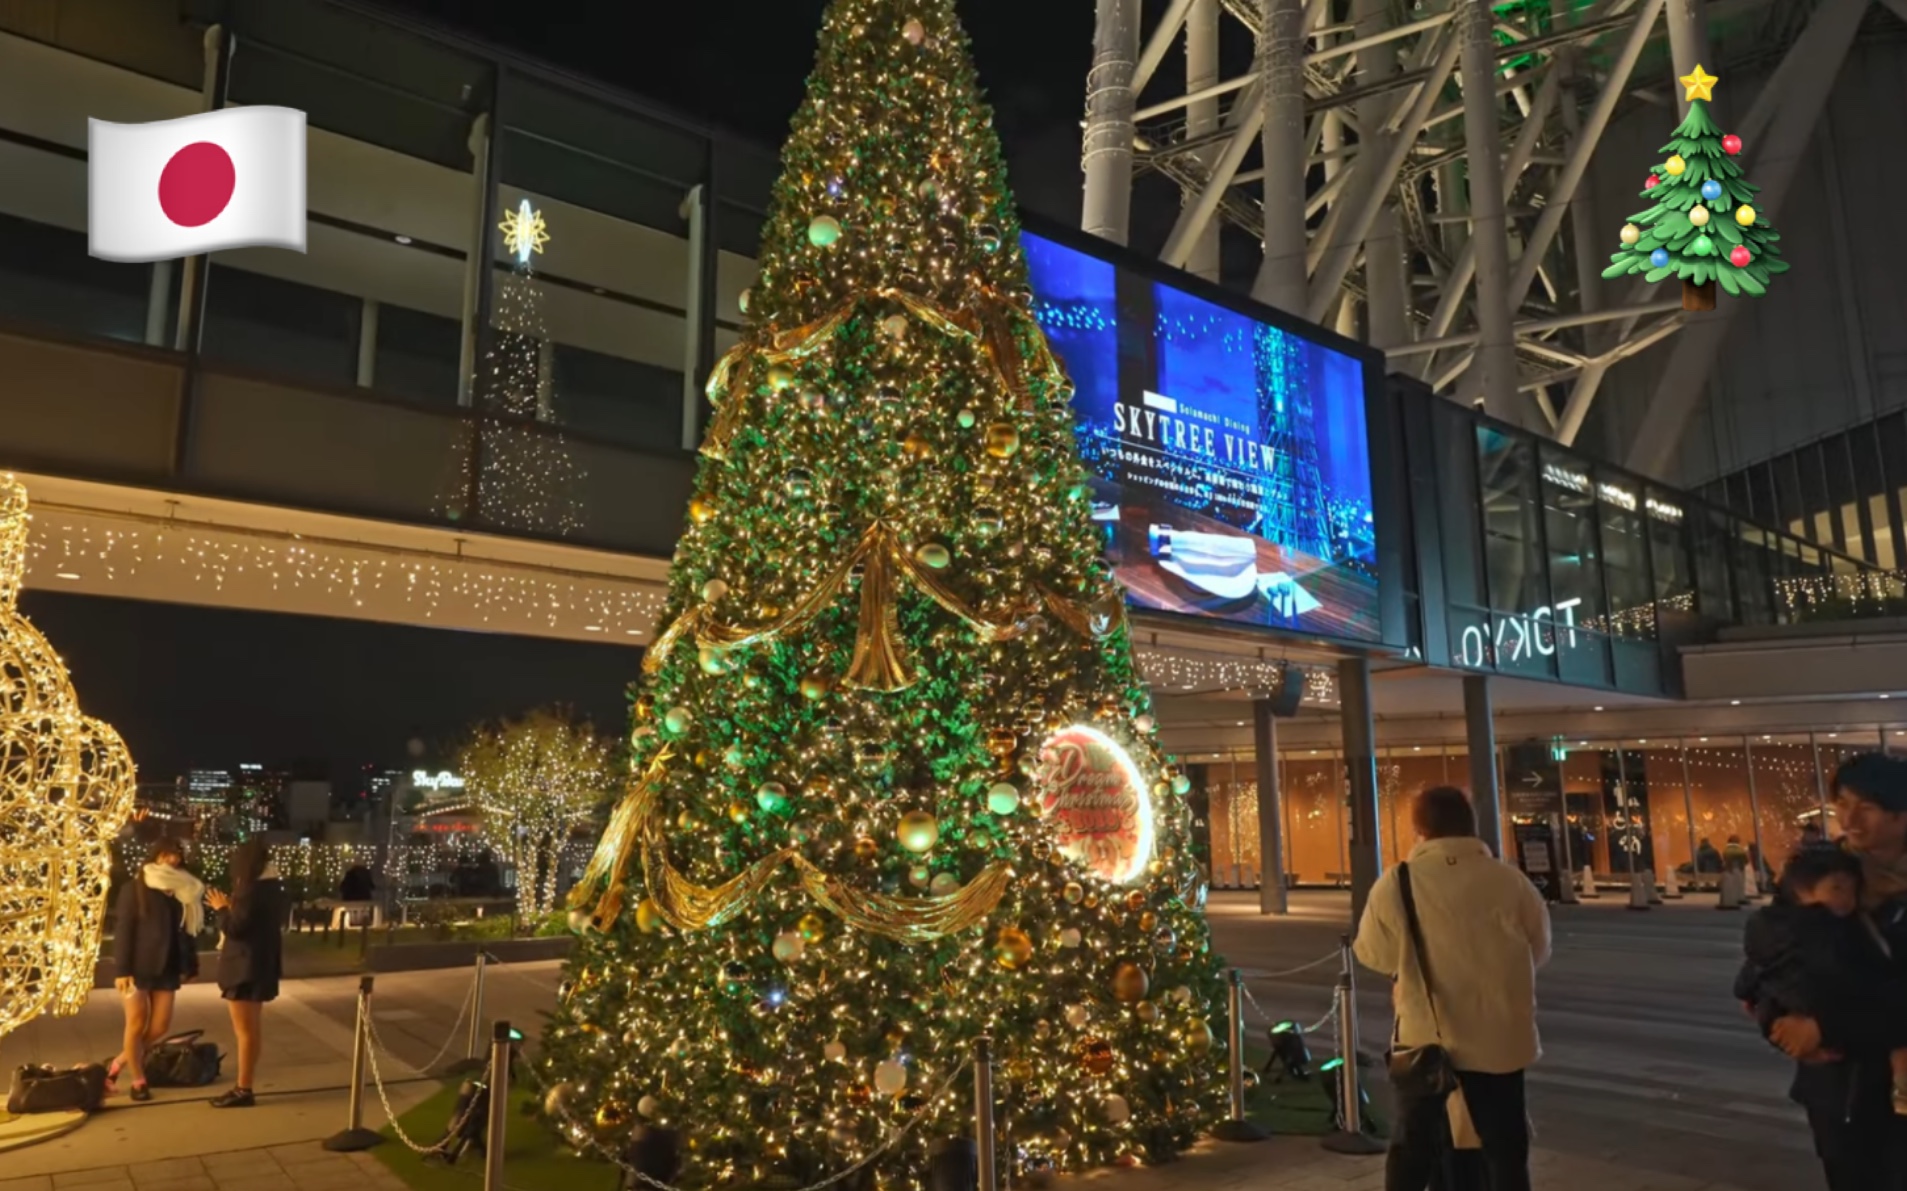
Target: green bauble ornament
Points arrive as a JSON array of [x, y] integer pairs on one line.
[[823, 231]]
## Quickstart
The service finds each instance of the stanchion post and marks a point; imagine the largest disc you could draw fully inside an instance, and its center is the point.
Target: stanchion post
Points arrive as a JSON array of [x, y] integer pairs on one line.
[[474, 1059], [355, 1136], [1350, 1137], [988, 1170], [1237, 1127], [497, 1133]]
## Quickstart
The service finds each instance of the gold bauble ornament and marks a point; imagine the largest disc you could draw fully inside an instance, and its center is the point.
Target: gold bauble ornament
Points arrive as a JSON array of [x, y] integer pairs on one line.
[[1199, 1038], [918, 831], [1148, 921], [648, 917], [816, 685], [1012, 948], [1003, 440], [612, 1115], [917, 447], [1630, 233], [700, 510], [1130, 983], [812, 927], [738, 812], [865, 848], [1003, 742], [1095, 1055], [780, 377], [819, 785], [1074, 893], [1698, 216], [1147, 1011], [1135, 901]]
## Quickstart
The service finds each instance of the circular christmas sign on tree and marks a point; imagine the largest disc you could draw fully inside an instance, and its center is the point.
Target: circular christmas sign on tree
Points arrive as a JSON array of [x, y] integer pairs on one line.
[[1096, 800]]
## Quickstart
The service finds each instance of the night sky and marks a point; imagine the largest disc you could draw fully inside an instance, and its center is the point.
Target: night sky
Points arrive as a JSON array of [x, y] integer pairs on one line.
[[200, 687]]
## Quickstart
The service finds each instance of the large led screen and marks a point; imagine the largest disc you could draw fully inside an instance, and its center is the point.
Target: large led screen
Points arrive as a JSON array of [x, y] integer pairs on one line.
[[1231, 457]]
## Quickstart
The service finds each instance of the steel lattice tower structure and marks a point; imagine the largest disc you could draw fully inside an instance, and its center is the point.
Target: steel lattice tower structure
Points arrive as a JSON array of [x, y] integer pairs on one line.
[[1345, 153]]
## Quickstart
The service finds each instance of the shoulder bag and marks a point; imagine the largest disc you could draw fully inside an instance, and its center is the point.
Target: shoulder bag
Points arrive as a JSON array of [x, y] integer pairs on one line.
[[1420, 1072]]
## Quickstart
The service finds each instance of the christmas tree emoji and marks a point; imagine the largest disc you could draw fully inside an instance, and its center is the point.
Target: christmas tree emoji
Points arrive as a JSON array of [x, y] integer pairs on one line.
[[895, 782], [1704, 227]]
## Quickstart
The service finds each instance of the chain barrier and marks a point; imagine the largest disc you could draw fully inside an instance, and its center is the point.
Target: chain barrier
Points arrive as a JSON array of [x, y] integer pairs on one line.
[[377, 1076], [1268, 1021], [1322, 960], [588, 1137]]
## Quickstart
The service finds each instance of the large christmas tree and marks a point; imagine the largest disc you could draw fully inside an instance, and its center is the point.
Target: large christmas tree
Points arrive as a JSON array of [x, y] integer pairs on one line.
[[895, 781], [1703, 226]]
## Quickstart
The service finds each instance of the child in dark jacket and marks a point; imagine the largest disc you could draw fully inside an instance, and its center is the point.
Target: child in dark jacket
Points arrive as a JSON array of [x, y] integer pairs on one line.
[[1811, 953]]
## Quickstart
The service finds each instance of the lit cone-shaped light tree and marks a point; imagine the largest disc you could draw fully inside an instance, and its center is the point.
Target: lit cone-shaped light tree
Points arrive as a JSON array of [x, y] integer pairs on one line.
[[66, 790], [1704, 227], [894, 778]]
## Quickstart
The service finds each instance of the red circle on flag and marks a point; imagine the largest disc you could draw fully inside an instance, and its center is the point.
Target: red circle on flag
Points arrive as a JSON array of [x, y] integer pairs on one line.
[[197, 184]]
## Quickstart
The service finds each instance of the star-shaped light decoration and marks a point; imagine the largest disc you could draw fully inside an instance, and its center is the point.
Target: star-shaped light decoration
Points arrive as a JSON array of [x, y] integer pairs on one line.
[[523, 232], [1698, 84]]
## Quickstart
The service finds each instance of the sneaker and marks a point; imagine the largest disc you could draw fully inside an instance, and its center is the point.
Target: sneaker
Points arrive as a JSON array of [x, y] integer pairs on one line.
[[236, 1098]]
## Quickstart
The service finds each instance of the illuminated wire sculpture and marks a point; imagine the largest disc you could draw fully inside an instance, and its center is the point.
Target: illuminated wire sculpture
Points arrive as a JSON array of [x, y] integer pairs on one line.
[[66, 790]]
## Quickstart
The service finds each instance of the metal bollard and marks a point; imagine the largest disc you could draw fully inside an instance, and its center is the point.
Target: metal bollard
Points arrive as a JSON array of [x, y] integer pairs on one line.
[[474, 1059], [1350, 1137], [989, 1175], [1237, 1127], [355, 1136], [501, 1039]]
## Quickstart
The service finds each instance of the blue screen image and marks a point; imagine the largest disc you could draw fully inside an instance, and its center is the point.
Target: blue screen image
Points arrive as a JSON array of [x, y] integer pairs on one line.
[[1231, 457]]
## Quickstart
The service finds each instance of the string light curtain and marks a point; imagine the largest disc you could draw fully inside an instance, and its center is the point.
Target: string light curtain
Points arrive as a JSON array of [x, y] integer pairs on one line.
[[67, 787], [896, 777]]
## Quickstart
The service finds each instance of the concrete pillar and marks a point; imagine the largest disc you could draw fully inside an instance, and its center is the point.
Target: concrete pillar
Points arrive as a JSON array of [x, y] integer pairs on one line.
[[1201, 120], [1110, 103], [1360, 765], [1479, 718], [1492, 376], [1386, 282], [158, 303], [1281, 277], [1273, 897]]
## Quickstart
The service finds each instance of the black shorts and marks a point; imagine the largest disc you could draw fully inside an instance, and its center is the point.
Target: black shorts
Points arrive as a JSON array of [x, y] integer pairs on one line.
[[254, 991]]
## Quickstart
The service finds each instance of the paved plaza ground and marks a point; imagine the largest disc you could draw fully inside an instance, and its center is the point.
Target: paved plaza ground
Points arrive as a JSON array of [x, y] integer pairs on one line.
[[1652, 1080]]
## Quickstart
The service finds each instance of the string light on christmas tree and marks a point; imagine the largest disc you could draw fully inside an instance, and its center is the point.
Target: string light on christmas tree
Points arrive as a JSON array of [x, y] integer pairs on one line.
[[66, 789], [913, 615], [1679, 235]]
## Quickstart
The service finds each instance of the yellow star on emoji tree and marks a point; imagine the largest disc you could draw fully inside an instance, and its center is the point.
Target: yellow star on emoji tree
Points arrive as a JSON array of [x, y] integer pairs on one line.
[[1698, 84]]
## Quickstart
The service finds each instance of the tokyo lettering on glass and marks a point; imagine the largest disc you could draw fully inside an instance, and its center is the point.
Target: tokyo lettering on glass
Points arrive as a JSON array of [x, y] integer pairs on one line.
[[1519, 637]]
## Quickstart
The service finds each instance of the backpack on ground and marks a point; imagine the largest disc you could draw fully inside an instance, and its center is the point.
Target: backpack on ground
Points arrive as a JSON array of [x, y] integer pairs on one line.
[[182, 1061], [54, 1089]]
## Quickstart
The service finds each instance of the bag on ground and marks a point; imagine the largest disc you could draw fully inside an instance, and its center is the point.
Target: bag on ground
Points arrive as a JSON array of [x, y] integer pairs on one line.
[[55, 1089], [182, 1061]]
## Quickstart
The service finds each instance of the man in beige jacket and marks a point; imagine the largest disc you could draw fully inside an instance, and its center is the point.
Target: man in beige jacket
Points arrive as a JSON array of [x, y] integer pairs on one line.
[[1485, 932]]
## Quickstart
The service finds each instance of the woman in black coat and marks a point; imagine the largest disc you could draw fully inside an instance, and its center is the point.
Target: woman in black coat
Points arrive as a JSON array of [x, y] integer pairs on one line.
[[251, 957], [155, 923]]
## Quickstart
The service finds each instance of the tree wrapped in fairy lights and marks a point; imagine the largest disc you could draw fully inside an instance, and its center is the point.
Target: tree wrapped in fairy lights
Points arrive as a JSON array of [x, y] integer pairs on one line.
[[895, 779], [536, 780]]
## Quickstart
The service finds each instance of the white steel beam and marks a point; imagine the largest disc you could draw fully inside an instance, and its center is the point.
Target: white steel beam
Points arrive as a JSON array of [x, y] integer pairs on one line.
[[1107, 151], [1247, 119], [1281, 276], [1386, 267], [1563, 190], [1493, 380], [1823, 45], [1538, 326], [1688, 42], [1201, 120], [1333, 257], [1159, 43]]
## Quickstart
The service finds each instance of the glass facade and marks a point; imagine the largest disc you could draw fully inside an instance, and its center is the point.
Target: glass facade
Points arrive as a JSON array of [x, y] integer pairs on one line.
[[1544, 563], [1662, 804], [1846, 492]]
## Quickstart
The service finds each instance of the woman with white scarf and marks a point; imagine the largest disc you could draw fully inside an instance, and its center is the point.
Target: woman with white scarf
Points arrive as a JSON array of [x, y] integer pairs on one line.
[[251, 957], [159, 916]]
